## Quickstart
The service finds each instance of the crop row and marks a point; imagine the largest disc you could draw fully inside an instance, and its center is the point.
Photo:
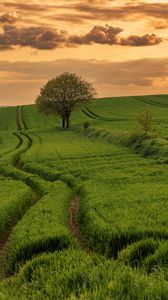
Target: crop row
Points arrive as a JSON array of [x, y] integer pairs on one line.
[[8, 119], [154, 101], [43, 228], [113, 211], [150, 254], [15, 197], [122, 214], [72, 274], [91, 114], [115, 216]]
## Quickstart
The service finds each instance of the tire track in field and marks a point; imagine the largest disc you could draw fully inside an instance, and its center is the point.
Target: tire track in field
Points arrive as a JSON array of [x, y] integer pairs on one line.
[[150, 102], [74, 225], [73, 217], [20, 141], [73, 222], [91, 114], [3, 249], [15, 148], [17, 118], [23, 119], [15, 163], [5, 237], [4, 242]]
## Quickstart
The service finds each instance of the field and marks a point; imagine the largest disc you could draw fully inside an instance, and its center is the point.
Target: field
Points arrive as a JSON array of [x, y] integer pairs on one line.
[[84, 211]]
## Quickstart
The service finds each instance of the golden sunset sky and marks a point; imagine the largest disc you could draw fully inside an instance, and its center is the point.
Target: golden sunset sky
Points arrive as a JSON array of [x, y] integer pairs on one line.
[[120, 46]]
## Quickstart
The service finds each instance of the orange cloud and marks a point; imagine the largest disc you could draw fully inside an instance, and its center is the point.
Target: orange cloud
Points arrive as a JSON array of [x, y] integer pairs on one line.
[[46, 39], [36, 37], [91, 9], [145, 40], [131, 9], [98, 35], [8, 18]]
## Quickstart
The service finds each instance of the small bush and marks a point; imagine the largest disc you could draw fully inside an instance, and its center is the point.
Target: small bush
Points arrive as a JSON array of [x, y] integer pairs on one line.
[[136, 135], [145, 120]]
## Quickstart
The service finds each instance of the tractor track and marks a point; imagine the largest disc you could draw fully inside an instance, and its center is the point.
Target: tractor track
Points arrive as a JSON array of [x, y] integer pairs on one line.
[[23, 119], [17, 118], [4, 241], [73, 218], [74, 225]]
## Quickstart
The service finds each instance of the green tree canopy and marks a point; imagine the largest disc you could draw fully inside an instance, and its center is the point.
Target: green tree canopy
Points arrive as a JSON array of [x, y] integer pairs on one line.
[[64, 93], [145, 120]]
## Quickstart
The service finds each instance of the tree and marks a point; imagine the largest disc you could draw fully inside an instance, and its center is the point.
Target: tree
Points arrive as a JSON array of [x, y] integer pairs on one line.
[[64, 93], [145, 120]]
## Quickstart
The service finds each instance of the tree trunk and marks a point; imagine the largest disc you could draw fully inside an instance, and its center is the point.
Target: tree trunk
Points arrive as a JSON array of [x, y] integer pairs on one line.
[[67, 122], [63, 122]]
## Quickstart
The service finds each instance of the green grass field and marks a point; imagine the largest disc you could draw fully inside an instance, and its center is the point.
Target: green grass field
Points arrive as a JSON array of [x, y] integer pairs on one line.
[[111, 244]]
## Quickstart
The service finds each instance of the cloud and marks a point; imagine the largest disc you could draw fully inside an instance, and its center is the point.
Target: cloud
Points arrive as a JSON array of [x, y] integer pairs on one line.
[[8, 18], [27, 6], [109, 35], [43, 38], [91, 9], [145, 40], [133, 9], [159, 24], [98, 35], [35, 37], [24, 79]]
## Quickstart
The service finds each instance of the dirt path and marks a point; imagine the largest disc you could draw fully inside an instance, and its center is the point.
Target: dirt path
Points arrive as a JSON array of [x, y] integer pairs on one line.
[[73, 223]]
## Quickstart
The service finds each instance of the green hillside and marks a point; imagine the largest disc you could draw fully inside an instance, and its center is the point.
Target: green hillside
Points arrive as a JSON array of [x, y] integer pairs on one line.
[[89, 215]]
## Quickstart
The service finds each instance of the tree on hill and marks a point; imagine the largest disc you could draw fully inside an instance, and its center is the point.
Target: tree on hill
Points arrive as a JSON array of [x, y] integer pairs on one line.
[[64, 93], [145, 120]]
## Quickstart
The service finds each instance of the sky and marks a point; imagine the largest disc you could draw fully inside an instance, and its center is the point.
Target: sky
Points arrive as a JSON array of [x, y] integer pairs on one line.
[[120, 46]]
